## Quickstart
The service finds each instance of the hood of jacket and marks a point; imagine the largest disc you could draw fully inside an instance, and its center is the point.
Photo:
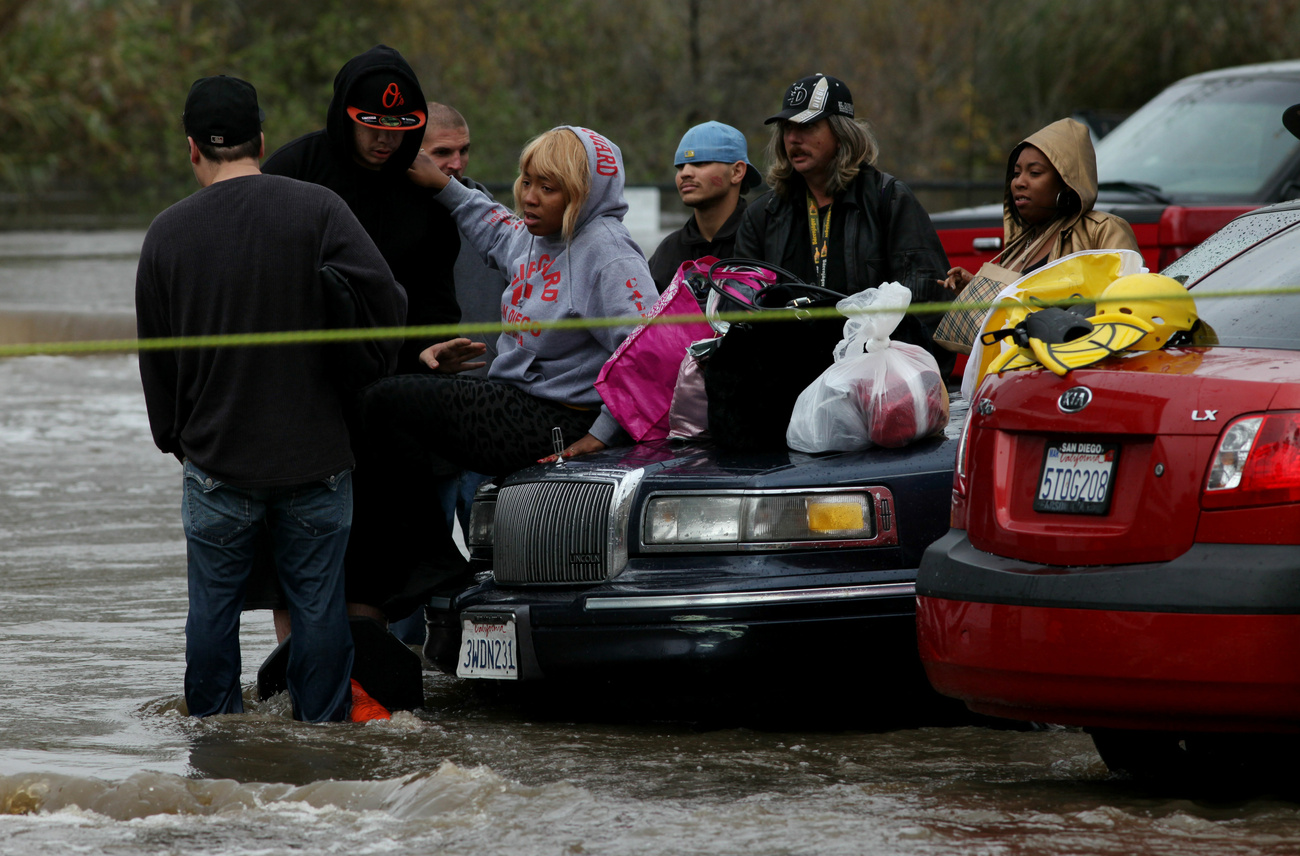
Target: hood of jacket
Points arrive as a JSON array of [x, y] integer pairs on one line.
[[1068, 145], [380, 59], [606, 162]]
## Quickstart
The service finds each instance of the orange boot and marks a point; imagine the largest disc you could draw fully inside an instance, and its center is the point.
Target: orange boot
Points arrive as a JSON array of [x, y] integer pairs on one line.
[[364, 708]]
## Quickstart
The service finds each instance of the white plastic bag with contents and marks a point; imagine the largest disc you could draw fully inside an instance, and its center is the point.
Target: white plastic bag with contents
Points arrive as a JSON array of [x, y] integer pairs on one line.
[[877, 392]]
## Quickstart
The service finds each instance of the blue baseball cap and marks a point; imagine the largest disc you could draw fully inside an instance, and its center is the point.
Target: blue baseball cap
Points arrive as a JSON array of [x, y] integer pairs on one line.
[[714, 142]]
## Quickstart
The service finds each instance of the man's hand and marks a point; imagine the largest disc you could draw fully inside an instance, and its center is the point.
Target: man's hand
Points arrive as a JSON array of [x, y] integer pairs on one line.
[[425, 172], [584, 446], [451, 356]]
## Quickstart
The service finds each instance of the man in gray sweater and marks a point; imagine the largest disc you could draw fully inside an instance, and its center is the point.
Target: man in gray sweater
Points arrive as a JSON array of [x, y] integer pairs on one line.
[[260, 431]]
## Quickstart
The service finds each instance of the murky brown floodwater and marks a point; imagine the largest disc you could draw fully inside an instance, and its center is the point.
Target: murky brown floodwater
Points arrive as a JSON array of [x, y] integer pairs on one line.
[[94, 757]]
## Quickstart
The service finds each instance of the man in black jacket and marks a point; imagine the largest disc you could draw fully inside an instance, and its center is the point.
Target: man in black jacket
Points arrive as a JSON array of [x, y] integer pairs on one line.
[[835, 220], [713, 173], [260, 431], [372, 134]]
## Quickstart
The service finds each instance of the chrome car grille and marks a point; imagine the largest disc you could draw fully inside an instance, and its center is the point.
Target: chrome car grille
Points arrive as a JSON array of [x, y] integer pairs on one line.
[[552, 532]]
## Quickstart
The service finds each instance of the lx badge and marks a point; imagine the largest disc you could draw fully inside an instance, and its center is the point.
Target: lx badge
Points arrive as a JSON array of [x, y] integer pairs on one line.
[[1207, 416]]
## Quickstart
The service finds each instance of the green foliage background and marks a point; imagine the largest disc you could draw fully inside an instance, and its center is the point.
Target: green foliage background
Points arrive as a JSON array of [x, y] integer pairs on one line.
[[92, 89]]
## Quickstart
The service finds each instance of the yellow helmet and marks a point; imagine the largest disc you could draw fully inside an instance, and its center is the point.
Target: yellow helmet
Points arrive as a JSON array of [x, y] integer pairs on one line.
[[1158, 301]]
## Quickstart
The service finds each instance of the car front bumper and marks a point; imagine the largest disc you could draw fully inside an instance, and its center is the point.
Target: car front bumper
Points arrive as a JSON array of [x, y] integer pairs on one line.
[[641, 633]]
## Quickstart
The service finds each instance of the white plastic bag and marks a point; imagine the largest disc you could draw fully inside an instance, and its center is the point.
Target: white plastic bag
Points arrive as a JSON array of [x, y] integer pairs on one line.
[[878, 392]]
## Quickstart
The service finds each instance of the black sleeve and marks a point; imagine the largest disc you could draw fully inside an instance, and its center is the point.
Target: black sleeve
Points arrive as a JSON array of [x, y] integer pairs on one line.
[[158, 369], [753, 231], [916, 256], [347, 248]]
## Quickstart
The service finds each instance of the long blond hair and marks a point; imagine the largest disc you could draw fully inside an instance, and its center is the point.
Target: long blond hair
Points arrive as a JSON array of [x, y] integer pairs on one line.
[[557, 156]]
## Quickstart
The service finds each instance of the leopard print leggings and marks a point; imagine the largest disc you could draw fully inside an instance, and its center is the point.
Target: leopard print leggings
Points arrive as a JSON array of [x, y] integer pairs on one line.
[[469, 423]]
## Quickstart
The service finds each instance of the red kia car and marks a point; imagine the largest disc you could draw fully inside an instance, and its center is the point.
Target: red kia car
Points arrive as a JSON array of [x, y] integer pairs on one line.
[[1161, 611]]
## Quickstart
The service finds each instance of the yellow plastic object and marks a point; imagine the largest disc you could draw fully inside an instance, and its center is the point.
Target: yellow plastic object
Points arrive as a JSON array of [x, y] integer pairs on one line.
[[1159, 301], [1013, 359], [1084, 276], [1106, 339]]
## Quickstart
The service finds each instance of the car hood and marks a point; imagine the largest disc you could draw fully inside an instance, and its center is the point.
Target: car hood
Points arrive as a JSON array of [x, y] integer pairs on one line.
[[704, 464]]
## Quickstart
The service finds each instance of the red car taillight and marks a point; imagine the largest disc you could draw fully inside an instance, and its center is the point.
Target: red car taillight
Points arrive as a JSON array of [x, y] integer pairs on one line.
[[1257, 462]]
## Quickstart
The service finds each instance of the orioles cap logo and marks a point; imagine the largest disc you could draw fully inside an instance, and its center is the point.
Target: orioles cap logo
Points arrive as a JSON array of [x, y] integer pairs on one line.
[[392, 96]]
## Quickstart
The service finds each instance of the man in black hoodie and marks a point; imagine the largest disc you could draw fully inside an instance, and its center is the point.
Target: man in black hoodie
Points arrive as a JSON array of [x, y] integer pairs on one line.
[[372, 134]]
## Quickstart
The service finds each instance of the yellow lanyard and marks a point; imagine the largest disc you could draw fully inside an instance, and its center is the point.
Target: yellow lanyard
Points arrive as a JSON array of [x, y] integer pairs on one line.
[[819, 253]]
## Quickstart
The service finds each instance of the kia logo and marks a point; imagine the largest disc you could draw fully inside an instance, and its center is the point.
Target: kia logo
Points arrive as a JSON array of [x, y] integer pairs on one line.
[[1074, 399]]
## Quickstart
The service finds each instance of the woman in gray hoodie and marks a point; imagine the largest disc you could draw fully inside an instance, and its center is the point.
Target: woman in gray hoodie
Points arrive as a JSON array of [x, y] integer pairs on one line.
[[567, 256]]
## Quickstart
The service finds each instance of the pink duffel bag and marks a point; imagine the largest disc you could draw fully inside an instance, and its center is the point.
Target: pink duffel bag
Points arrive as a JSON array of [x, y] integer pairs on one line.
[[636, 383]]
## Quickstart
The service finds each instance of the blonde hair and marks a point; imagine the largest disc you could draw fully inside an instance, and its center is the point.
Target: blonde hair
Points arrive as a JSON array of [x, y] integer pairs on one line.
[[857, 145], [558, 157]]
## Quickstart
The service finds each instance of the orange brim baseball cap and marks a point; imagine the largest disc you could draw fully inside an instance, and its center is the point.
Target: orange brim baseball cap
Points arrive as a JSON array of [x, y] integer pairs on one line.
[[378, 101]]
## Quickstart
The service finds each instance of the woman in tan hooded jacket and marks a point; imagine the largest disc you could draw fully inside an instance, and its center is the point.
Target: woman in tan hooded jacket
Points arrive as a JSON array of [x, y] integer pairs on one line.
[[1047, 207]]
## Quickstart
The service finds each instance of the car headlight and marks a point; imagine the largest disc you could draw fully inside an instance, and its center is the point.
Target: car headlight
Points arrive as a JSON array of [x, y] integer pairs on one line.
[[693, 520], [704, 519], [482, 516]]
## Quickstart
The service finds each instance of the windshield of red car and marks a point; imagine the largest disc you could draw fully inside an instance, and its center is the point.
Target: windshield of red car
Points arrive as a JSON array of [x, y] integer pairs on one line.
[[1212, 140]]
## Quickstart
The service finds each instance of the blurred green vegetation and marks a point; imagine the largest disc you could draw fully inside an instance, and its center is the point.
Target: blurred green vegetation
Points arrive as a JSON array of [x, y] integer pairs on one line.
[[93, 89]]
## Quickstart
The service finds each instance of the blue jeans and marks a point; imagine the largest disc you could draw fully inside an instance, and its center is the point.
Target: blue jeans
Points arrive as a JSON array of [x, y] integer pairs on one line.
[[456, 495], [309, 526]]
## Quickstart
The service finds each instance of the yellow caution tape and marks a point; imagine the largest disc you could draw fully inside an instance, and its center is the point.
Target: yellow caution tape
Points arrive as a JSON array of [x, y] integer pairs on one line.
[[445, 331]]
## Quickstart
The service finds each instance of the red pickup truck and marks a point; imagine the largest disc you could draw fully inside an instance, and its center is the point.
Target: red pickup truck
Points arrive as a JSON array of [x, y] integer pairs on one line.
[[1206, 149]]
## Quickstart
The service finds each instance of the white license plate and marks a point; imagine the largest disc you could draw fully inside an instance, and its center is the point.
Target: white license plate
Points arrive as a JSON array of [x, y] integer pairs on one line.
[[1077, 477], [488, 648]]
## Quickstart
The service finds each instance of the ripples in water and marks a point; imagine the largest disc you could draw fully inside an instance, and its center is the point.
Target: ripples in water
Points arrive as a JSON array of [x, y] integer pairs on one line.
[[95, 756]]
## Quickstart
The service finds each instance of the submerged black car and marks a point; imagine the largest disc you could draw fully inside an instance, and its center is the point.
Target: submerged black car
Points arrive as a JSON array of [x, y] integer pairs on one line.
[[681, 562]]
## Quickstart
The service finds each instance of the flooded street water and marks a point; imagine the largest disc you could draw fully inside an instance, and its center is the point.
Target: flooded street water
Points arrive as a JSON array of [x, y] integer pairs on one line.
[[96, 758]]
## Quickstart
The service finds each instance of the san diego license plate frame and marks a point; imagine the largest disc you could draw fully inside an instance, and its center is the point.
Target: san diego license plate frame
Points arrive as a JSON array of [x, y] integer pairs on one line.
[[1077, 476]]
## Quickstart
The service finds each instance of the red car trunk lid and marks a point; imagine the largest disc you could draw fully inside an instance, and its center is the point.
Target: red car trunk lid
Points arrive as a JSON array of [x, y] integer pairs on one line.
[[1156, 416]]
